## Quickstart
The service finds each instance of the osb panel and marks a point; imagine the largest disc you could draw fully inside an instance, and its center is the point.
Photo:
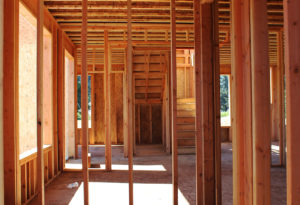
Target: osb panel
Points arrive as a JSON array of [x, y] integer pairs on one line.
[[185, 74], [69, 106], [137, 124], [150, 124], [116, 109], [190, 79], [119, 107], [99, 110], [113, 116], [180, 83], [48, 90], [156, 123], [145, 124], [27, 81]]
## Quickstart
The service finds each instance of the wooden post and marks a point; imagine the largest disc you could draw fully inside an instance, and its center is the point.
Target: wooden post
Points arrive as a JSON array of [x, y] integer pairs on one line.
[[75, 102], [92, 137], [209, 125], [174, 103], [251, 103], [107, 103], [198, 100], [54, 98], [168, 105], [261, 112], [39, 67], [125, 107], [216, 92], [12, 178], [60, 100], [292, 72], [281, 100], [276, 110], [84, 102], [241, 103], [130, 100]]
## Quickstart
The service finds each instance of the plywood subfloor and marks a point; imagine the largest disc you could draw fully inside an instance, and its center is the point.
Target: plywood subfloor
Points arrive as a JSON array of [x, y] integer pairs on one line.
[[152, 181]]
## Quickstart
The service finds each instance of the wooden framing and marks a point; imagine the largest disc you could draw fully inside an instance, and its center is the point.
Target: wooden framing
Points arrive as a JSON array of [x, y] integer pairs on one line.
[[198, 100], [250, 99], [251, 103], [216, 95], [33, 173], [75, 100], [241, 104], [107, 87], [125, 106], [292, 62], [280, 63], [55, 114], [12, 184], [84, 102], [60, 100], [261, 112], [277, 89], [276, 110], [168, 107], [174, 103], [210, 124], [130, 100], [40, 141]]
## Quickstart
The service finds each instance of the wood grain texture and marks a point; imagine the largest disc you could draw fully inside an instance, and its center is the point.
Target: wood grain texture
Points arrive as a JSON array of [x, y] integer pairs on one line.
[[107, 86], [174, 103], [40, 86], [261, 110], [241, 104], [99, 109], [10, 102], [60, 100], [282, 131], [130, 100], [54, 97], [84, 103], [292, 63], [198, 99]]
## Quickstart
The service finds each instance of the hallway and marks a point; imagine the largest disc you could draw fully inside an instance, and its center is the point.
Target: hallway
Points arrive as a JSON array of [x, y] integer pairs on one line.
[[152, 181]]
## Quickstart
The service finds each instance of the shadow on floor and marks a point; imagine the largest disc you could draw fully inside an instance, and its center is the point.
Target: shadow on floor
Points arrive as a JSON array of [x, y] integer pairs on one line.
[[152, 180]]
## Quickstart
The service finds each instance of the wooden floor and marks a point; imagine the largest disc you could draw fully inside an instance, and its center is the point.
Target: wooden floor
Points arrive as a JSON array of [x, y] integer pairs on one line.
[[152, 180]]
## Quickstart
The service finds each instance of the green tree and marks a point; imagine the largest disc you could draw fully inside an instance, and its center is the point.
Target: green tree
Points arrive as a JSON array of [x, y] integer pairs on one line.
[[224, 93], [79, 96]]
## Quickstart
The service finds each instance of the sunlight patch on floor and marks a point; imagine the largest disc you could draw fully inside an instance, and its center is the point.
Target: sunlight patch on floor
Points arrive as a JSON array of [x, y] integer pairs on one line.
[[275, 149], [117, 194], [157, 168]]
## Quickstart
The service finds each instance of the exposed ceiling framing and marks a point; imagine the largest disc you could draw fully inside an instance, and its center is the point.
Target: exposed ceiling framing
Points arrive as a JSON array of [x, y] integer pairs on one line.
[[150, 23]]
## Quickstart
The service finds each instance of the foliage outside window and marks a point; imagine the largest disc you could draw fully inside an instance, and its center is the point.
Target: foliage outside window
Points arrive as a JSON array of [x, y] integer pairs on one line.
[[79, 101], [225, 100]]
